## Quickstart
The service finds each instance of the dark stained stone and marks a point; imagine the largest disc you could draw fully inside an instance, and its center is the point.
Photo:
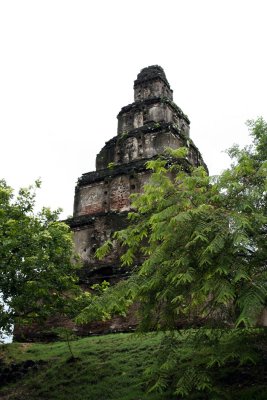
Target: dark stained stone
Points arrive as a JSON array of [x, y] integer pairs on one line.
[[149, 73]]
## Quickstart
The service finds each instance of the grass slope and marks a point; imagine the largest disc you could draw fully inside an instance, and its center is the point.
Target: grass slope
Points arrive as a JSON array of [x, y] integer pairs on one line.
[[108, 367]]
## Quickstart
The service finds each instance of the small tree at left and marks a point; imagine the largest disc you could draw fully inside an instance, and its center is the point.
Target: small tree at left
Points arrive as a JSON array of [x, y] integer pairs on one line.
[[37, 263]]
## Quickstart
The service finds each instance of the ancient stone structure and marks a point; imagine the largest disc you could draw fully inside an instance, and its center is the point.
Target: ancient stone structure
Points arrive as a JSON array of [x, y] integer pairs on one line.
[[145, 128], [102, 197]]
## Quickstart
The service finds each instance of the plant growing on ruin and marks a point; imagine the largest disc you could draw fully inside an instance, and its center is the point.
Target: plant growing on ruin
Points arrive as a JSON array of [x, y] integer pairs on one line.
[[111, 165]]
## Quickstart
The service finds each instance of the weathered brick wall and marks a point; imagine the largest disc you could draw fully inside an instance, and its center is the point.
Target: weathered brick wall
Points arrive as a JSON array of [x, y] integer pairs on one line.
[[155, 110], [109, 195]]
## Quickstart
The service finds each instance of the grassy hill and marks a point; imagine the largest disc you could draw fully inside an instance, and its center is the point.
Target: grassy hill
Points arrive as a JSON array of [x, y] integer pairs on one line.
[[106, 368]]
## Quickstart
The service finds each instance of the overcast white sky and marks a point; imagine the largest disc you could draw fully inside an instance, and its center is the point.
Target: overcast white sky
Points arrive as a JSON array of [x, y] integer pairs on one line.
[[67, 68]]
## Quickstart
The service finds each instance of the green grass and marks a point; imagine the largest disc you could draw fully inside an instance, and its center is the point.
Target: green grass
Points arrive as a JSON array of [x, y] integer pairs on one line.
[[108, 367]]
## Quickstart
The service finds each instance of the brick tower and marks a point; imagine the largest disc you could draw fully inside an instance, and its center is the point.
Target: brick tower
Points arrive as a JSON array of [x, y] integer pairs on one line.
[[145, 128]]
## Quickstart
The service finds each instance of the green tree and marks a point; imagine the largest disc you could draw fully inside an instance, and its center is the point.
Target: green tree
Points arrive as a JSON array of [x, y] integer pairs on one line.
[[37, 273], [198, 245]]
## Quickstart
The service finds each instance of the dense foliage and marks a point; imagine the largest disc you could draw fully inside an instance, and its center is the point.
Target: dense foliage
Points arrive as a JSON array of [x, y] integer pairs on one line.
[[37, 272], [198, 246]]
